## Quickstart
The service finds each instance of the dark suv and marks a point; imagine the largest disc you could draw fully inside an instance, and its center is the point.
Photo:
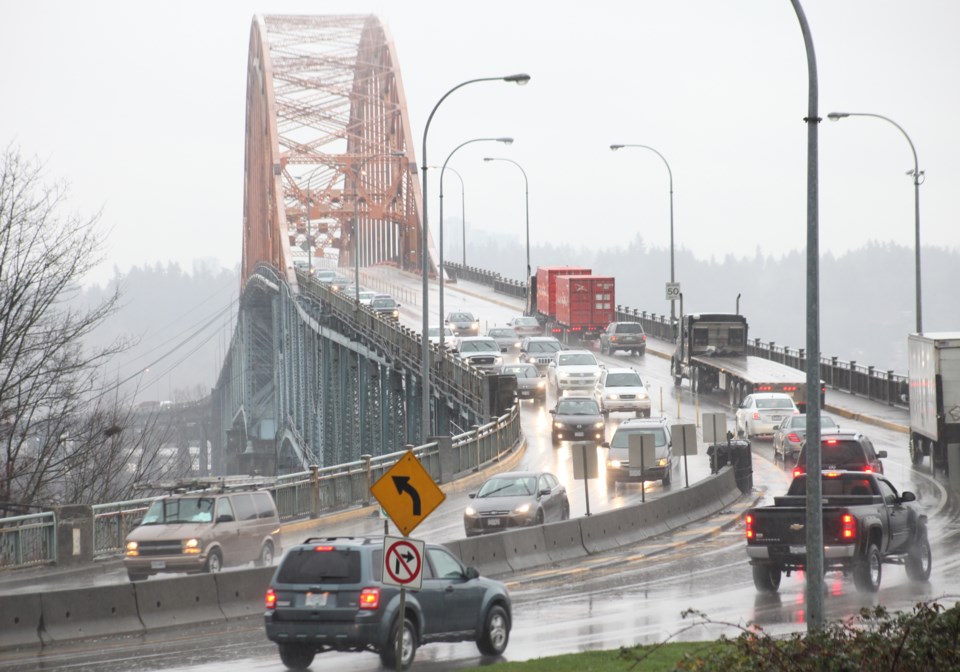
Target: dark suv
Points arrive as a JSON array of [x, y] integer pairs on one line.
[[844, 450], [627, 336], [327, 594]]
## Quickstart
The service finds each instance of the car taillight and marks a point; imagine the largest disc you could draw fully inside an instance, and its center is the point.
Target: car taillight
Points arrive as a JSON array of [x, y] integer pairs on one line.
[[793, 437], [323, 548], [868, 469], [797, 472], [756, 415], [271, 599], [749, 520], [849, 527], [370, 598], [831, 442]]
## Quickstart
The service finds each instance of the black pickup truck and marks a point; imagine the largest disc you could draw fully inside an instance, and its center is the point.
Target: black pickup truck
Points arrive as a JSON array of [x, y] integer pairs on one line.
[[866, 523]]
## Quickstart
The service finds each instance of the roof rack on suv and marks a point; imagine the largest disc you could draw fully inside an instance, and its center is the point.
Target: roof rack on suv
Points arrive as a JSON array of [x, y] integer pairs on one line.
[[212, 484], [363, 540]]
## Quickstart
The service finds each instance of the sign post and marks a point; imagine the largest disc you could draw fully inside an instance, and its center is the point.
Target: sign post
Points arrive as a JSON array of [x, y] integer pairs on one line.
[[641, 449], [585, 467], [686, 437]]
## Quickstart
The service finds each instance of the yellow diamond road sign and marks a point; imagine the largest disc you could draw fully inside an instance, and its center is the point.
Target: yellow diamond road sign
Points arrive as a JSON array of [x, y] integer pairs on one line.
[[407, 493]]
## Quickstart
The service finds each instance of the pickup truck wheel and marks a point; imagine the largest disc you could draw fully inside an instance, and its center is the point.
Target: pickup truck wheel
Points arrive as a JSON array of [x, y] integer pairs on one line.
[[766, 578], [916, 451], [868, 571], [919, 560]]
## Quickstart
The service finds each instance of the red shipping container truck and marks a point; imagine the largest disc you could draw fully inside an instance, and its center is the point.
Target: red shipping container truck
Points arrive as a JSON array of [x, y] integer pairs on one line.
[[547, 286], [585, 304]]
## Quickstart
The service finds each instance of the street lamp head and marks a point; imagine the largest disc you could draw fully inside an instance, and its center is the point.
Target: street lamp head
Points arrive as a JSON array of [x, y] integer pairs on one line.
[[506, 141], [616, 147], [834, 116], [520, 79]]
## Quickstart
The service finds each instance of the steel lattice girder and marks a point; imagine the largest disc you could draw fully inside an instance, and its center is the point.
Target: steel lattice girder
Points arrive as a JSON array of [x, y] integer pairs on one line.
[[326, 113]]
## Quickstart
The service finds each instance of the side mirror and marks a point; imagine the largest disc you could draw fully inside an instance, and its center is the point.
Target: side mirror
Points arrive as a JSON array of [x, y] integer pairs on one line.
[[881, 453], [225, 518], [907, 496], [545, 492], [472, 495], [605, 413], [471, 573], [605, 444], [552, 411]]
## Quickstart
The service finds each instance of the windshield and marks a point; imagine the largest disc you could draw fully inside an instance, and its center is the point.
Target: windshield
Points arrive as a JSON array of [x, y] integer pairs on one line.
[[800, 422], [180, 510], [516, 486], [629, 328], [572, 406], [786, 403], [543, 346], [383, 303], [502, 333], [622, 438], [461, 317], [527, 371], [479, 346], [832, 486], [624, 380], [582, 359]]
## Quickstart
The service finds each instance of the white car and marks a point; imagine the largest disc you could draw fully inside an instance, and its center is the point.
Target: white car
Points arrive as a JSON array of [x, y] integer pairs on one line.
[[480, 351], [366, 296], [573, 371], [761, 413], [623, 390], [450, 339]]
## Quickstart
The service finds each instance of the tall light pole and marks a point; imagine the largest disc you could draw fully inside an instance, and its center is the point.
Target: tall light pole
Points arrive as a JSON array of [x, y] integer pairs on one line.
[[916, 172], [425, 423], [443, 169], [463, 209], [526, 196], [357, 171], [673, 315]]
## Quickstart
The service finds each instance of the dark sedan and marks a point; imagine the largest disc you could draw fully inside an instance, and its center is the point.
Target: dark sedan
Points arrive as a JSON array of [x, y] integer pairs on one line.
[[531, 384], [577, 419], [463, 324], [516, 499]]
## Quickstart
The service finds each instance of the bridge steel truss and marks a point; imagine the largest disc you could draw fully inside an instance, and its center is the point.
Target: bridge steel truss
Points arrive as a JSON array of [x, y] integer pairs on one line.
[[326, 121], [311, 379]]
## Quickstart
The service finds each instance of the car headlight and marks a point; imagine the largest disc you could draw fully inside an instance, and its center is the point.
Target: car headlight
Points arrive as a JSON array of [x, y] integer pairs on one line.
[[395, 313], [598, 425], [133, 548], [475, 325], [523, 508], [532, 360], [192, 546], [516, 345], [558, 425], [662, 461], [643, 396], [541, 385], [470, 511], [615, 464], [610, 395]]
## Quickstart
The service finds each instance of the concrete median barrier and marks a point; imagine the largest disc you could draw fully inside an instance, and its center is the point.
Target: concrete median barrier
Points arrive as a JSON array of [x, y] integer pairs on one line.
[[89, 612], [525, 548], [20, 618], [652, 519], [181, 600], [564, 541], [600, 530], [487, 553], [241, 593]]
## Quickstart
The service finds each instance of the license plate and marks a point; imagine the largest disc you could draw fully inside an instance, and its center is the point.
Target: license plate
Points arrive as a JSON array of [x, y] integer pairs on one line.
[[636, 472], [798, 550], [316, 599], [578, 435], [776, 417], [158, 564], [493, 522]]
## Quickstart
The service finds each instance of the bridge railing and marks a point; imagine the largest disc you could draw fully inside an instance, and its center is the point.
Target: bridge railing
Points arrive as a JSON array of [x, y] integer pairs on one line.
[[29, 540], [112, 522]]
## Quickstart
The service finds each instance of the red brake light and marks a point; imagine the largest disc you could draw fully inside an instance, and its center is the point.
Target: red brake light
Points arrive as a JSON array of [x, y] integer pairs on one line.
[[849, 529], [749, 520], [370, 598], [831, 442], [797, 472], [831, 474], [323, 548], [868, 469], [271, 599], [793, 437], [756, 415]]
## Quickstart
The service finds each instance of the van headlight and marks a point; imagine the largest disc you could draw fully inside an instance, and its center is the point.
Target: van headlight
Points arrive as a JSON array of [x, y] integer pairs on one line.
[[614, 464], [133, 549], [192, 546], [662, 462]]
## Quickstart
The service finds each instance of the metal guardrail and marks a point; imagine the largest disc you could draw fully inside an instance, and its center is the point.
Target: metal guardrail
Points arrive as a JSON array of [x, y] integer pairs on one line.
[[112, 522], [29, 540], [877, 385]]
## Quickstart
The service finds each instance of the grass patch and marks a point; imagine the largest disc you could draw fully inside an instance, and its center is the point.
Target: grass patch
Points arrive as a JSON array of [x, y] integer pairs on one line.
[[656, 658]]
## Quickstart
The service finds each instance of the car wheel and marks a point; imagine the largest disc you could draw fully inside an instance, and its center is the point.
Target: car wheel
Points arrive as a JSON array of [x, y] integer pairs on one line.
[[388, 654], [266, 555], [868, 571], [766, 578], [137, 577], [496, 632], [214, 562], [296, 656], [919, 560], [916, 451]]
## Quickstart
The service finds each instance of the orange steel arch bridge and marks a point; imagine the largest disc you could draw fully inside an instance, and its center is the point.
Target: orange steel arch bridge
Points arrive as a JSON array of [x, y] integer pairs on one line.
[[330, 179]]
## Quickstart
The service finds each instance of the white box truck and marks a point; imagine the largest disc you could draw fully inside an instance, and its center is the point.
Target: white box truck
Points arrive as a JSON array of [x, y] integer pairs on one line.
[[934, 361]]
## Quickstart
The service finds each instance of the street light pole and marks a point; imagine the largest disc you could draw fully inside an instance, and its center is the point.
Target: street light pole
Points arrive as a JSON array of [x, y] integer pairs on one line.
[[425, 423], [614, 148], [526, 196], [916, 172], [443, 169], [358, 169], [463, 209]]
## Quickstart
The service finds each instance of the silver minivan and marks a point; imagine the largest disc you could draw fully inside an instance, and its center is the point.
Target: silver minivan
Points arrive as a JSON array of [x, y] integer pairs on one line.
[[203, 532]]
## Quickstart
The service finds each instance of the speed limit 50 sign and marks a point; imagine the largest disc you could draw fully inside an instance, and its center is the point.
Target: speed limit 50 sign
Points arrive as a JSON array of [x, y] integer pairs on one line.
[[673, 291]]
